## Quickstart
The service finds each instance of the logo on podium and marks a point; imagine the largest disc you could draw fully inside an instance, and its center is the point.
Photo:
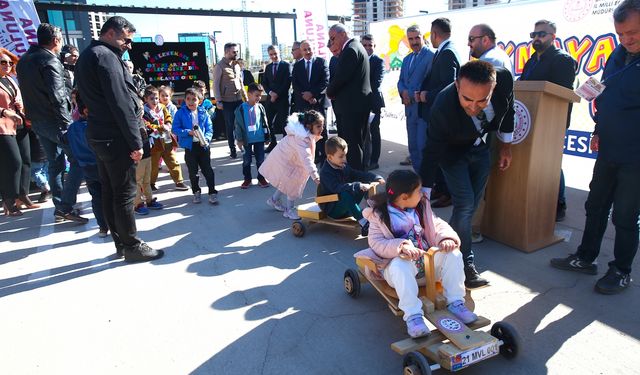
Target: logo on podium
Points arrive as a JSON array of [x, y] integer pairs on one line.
[[522, 121]]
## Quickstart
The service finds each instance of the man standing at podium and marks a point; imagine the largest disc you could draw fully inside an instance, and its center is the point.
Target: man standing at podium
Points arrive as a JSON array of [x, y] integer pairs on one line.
[[478, 102], [549, 63], [616, 173]]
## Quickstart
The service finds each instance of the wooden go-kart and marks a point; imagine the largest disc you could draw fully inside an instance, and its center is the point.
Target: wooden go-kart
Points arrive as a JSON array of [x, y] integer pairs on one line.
[[453, 345], [312, 213]]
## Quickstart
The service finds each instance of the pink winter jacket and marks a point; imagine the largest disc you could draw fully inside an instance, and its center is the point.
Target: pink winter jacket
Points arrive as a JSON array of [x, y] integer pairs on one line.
[[384, 246], [290, 164]]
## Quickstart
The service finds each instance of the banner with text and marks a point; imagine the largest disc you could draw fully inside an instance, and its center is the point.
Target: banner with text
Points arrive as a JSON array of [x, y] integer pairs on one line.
[[312, 25], [18, 25], [584, 30]]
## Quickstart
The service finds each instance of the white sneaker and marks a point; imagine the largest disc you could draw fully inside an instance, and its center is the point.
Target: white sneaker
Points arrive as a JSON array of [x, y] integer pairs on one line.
[[276, 205], [291, 213], [476, 237]]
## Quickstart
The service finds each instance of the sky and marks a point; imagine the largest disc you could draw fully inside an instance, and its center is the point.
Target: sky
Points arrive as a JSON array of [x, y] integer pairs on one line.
[[259, 30]]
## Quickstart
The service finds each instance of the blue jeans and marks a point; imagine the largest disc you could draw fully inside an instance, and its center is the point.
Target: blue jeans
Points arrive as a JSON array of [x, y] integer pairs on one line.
[[467, 179], [40, 174], [92, 176], [250, 150], [416, 135], [616, 185], [64, 192], [228, 111]]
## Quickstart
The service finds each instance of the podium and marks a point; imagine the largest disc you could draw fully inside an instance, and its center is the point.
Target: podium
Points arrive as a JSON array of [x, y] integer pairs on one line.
[[521, 202]]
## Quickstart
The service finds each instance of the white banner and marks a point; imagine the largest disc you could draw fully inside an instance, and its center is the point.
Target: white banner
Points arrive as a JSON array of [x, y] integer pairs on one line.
[[312, 25], [18, 25]]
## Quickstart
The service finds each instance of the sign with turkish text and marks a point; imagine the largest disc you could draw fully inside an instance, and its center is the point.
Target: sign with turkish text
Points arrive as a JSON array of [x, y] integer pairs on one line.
[[172, 64], [312, 25], [18, 25]]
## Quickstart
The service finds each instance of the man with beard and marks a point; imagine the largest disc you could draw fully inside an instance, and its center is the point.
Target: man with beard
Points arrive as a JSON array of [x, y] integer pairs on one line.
[[415, 67], [114, 132], [482, 46], [549, 63]]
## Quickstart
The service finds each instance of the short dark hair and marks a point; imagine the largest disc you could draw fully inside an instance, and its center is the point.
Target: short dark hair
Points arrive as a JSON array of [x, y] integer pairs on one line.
[[194, 92], [552, 25], [623, 10], [333, 144], [229, 45], [414, 29], [47, 33], [149, 90], [368, 37], [478, 72], [272, 48], [198, 84], [117, 23], [254, 87], [442, 24], [487, 31], [309, 118]]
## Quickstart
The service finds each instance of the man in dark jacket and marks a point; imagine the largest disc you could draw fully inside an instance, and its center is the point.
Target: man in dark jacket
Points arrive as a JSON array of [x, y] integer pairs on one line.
[[478, 102], [48, 106], [376, 74], [350, 89], [276, 82], [113, 132], [549, 63], [616, 173]]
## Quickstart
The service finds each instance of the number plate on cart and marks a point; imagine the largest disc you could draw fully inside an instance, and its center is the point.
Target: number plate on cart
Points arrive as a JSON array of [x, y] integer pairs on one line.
[[464, 359]]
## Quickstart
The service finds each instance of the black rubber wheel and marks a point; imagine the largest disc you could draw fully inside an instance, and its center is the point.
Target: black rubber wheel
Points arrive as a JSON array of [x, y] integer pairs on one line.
[[511, 340], [415, 363], [352, 283], [297, 228]]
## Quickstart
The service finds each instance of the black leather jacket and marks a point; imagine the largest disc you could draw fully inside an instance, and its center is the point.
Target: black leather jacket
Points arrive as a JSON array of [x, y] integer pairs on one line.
[[41, 78]]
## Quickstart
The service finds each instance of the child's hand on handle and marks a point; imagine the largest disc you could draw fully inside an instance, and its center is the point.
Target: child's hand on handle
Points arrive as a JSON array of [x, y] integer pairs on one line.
[[316, 180], [365, 187], [447, 245], [410, 251], [381, 181]]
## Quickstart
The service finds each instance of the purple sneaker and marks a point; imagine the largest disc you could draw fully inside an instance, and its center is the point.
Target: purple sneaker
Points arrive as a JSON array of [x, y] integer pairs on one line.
[[417, 326], [461, 312]]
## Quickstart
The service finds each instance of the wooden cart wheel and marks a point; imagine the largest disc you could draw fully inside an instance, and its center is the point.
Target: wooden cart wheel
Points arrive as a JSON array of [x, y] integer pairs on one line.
[[414, 363], [297, 228], [511, 340], [352, 282]]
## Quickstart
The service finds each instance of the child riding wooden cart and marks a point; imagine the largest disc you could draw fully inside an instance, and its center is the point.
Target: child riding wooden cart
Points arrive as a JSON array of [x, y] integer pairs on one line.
[[452, 345]]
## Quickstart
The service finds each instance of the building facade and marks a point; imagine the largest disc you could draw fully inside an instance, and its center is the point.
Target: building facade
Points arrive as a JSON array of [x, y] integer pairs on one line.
[[367, 11]]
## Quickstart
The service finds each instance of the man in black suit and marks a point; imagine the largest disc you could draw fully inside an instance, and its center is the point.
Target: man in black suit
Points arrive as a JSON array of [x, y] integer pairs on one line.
[[549, 63], [276, 82], [350, 89], [247, 76], [444, 69], [309, 79], [478, 102], [376, 74]]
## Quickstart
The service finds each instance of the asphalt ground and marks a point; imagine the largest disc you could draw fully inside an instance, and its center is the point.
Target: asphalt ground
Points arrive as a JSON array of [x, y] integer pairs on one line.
[[237, 293]]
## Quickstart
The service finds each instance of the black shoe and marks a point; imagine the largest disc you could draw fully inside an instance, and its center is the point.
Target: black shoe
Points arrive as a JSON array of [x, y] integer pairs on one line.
[[233, 155], [364, 231], [613, 282], [142, 253], [373, 166], [272, 145], [573, 263], [473, 278], [44, 196], [74, 216], [561, 211], [443, 201], [153, 187], [119, 251]]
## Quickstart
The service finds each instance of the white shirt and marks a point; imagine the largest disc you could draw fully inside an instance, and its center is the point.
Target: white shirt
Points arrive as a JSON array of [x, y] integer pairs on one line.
[[490, 113], [496, 56]]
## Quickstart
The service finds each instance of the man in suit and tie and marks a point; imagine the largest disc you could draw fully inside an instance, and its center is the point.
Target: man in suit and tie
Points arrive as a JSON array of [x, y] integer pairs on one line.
[[376, 73], [247, 76], [309, 79], [444, 71], [350, 89], [415, 67], [296, 54], [478, 102], [276, 83]]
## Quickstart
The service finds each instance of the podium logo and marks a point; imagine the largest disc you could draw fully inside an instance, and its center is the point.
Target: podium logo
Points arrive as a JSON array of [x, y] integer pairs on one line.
[[522, 124]]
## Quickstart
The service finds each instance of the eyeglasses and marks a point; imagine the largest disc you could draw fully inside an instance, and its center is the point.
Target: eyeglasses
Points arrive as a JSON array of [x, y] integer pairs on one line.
[[472, 38], [6, 62], [540, 34]]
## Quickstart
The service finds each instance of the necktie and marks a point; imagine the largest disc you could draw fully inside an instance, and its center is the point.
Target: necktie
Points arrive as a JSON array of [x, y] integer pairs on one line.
[[484, 123], [413, 57], [275, 68], [309, 70]]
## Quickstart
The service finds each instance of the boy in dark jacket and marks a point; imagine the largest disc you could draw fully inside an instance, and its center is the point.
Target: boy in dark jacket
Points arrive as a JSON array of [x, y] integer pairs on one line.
[[351, 185]]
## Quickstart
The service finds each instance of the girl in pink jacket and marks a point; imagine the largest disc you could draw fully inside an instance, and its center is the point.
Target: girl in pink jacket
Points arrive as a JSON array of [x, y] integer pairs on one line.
[[401, 223], [290, 164]]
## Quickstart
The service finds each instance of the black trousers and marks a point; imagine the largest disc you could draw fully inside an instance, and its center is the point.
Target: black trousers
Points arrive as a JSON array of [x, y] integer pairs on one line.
[[118, 181], [199, 158], [353, 128], [277, 114], [15, 165]]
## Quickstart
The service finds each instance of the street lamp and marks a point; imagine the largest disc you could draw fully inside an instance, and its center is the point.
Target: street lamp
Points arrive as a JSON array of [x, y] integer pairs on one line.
[[215, 50]]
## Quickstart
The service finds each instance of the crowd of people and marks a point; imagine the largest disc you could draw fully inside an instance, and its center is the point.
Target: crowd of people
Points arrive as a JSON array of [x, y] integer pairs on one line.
[[69, 116]]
